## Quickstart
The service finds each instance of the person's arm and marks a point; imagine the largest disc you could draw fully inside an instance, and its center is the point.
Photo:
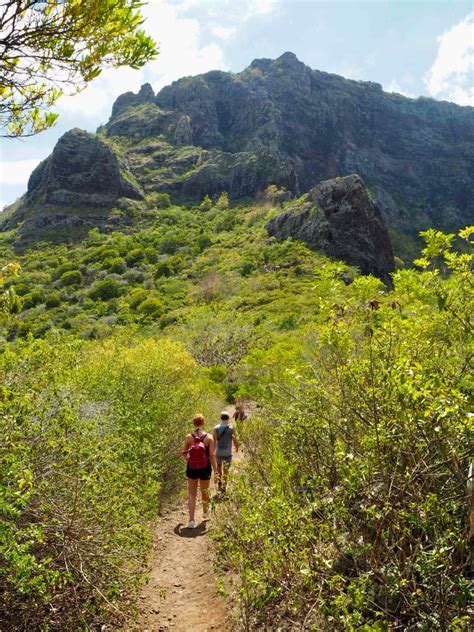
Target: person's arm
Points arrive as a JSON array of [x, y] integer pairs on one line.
[[187, 445], [212, 454]]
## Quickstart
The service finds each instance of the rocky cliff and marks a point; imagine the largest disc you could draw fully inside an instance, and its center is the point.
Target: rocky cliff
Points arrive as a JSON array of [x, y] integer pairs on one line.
[[279, 122], [339, 218], [417, 156]]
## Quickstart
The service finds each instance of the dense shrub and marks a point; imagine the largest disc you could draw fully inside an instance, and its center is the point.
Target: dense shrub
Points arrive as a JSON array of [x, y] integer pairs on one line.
[[352, 510], [33, 298], [158, 200], [163, 269], [64, 267], [135, 256], [168, 246], [137, 297], [52, 300], [151, 255], [116, 265], [72, 277], [151, 307], [203, 242], [87, 432], [105, 289]]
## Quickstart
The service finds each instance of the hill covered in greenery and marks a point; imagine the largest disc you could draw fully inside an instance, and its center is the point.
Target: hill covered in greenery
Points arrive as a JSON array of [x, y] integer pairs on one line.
[[351, 509], [131, 299]]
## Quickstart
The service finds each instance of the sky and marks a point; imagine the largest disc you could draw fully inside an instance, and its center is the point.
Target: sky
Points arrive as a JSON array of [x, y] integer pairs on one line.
[[413, 47]]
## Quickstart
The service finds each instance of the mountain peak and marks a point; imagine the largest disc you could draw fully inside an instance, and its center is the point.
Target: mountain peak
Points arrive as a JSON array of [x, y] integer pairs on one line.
[[287, 59], [290, 58]]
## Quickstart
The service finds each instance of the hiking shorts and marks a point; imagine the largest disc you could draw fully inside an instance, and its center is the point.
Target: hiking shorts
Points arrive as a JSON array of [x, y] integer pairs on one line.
[[202, 473], [224, 459]]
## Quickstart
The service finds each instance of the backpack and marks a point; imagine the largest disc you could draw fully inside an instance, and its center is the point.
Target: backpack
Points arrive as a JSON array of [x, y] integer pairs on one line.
[[198, 458]]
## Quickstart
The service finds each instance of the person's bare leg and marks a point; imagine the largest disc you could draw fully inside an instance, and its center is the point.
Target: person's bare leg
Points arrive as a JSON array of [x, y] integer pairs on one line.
[[225, 475], [192, 493], [205, 495], [219, 476]]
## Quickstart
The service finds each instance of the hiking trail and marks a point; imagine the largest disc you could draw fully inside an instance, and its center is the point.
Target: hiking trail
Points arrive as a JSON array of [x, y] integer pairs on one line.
[[181, 594]]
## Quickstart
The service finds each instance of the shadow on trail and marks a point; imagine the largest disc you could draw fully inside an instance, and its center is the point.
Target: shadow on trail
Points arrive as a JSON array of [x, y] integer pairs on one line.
[[184, 532]]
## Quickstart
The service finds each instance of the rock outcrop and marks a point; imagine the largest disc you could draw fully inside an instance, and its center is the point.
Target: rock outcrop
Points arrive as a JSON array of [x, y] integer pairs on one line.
[[340, 218], [74, 187], [83, 171], [124, 101]]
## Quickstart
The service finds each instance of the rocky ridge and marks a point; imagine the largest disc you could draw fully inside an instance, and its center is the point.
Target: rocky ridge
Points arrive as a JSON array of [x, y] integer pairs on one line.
[[278, 122], [416, 155]]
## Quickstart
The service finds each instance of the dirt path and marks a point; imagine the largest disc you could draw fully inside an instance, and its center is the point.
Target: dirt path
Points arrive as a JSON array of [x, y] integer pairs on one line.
[[181, 595]]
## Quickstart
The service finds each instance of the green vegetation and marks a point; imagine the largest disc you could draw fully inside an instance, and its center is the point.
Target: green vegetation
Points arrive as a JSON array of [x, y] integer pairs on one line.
[[87, 432], [62, 43], [350, 511]]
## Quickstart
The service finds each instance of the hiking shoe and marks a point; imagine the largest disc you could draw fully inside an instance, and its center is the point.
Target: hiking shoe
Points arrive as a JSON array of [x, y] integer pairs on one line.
[[206, 516], [191, 525]]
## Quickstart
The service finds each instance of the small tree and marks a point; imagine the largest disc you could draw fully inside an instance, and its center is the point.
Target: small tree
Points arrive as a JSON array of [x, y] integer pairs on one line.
[[151, 307], [10, 303], [223, 202], [206, 204]]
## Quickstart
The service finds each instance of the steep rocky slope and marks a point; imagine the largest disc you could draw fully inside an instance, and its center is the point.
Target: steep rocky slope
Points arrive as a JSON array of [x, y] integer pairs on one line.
[[417, 156], [279, 122]]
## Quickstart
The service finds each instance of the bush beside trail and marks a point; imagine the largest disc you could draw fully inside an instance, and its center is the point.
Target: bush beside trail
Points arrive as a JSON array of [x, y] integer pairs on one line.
[[87, 433], [351, 512]]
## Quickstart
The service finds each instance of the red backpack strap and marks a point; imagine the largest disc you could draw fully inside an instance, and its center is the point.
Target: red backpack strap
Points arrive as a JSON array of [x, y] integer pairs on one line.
[[195, 436]]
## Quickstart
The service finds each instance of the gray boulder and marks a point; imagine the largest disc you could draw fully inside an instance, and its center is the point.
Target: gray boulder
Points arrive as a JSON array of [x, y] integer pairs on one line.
[[339, 218]]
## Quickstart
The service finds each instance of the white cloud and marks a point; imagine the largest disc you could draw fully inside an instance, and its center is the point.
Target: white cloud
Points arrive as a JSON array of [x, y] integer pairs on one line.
[[181, 51], [262, 7], [224, 32], [451, 76], [17, 171], [181, 54], [394, 86], [240, 9]]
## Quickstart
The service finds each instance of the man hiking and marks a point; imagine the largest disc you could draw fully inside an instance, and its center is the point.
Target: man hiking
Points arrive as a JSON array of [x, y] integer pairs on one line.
[[224, 436], [239, 413]]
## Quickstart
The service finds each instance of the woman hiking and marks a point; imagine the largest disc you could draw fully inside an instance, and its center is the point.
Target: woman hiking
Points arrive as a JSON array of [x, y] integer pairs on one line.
[[199, 451]]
